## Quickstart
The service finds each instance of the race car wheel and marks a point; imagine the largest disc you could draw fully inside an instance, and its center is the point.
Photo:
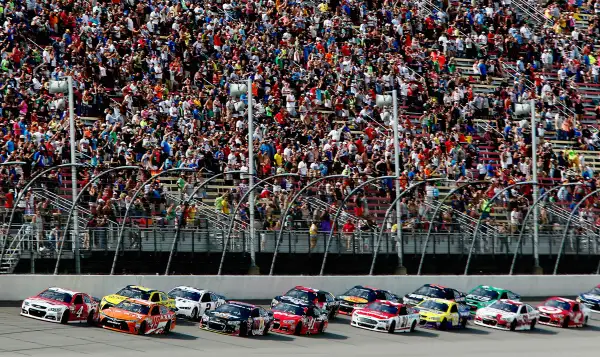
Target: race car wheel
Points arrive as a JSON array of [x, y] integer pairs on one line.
[[266, 330], [142, 329], [413, 326], [463, 323], [444, 325], [392, 327], [244, 330], [565, 323], [322, 328], [90, 318], [585, 322], [65, 318], [532, 326], [298, 329], [195, 314], [331, 314], [513, 325], [167, 328]]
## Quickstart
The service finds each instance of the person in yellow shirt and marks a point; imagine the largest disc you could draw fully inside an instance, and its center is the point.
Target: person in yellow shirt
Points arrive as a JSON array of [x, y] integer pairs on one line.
[[278, 158]]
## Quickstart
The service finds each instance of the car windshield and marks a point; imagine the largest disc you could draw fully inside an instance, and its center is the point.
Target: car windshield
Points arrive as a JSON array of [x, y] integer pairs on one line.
[[559, 304], [184, 294], [235, 310], [434, 305], [368, 295], [481, 291], [595, 291], [431, 292], [301, 295], [499, 305], [289, 309], [133, 307], [134, 293], [389, 309], [56, 296]]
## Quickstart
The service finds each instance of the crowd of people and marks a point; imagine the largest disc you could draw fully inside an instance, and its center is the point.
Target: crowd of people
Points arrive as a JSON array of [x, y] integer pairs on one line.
[[152, 85]]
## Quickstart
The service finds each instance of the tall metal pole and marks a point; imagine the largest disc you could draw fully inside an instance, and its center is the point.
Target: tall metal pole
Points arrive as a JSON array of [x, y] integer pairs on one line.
[[254, 270], [400, 269], [537, 269], [72, 141]]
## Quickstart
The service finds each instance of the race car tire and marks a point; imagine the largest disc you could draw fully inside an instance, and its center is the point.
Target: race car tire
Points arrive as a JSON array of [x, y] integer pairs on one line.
[[194, 315], [64, 319], [298, 329], [332, 314], [244, 330], [585, 322], [321, 328], [266, 330], [90, 318], [463, 323], [167, 328], [444, 325], [142, 329], [513, 325], [392, 327], [565, 323], [532, 326], [413, 326]]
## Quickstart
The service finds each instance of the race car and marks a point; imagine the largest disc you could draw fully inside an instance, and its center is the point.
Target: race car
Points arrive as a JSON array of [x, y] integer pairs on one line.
[[561, 312], [292, 316], [442, 314], [238, 319], [508, 315], [484, 295], [139, 317], [321, 299], [359, 296], [386, 316], [432, 291], [591, 299], [60, 305], [140, 293], [191, 303]]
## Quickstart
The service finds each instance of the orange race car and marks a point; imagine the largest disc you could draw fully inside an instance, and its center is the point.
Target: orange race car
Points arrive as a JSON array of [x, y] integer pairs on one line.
[[138, 317]]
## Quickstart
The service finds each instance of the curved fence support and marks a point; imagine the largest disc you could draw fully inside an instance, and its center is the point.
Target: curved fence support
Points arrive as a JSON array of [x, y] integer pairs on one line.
[[187, 201], [562, 242], [136, 192], [20, 195], [237, 207], [289, 206], [83, 189], [488, 205], [435, 212], [387, 214], [529, 211], [339, 211]]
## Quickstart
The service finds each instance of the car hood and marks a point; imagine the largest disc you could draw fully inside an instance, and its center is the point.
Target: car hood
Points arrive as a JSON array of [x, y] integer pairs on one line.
[[590, 297], [551, 310], [374, 314], [495, 313], [285, 316], [46, 302], [354, 299], [479, 301], [184, 302], [428, 313], [122, 314], [224, 316]]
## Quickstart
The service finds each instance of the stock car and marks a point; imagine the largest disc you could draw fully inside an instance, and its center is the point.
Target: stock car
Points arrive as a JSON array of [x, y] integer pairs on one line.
[[237, 319], [139, 317], [293, 316], [432, 291], [60, 305], [191, 303], [442, 314], [591, 299], [561, 312], [508, 315], [484, 295], [386, 316], [359, 296], [322, 299], [140, 293]]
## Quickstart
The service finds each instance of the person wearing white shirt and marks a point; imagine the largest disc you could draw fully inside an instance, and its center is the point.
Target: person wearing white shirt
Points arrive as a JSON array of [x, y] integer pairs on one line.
[[302, 168]]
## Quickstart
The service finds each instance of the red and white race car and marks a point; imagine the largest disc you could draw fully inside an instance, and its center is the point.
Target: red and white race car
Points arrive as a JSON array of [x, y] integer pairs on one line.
[[561, 312], [292, 316], [60, 305], [508, 315], [385, 316]]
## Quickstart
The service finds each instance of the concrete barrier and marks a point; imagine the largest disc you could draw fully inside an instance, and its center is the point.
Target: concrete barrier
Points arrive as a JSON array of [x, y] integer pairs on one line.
[[18, 287]]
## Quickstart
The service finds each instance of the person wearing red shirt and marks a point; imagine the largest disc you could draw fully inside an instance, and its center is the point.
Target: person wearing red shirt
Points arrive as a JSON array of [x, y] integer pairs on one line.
[[348, 230]]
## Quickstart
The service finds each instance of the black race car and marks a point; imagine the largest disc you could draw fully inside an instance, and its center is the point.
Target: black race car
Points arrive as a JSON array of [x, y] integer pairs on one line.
[[360, 296], [321, 299], [238, 319], [432, 291]]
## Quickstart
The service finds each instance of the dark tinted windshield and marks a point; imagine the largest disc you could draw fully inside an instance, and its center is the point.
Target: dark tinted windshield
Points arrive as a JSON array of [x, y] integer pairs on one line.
[[383, 308], [134, 293], [499, 305], [190, 295], [369, 295], [595, 291], [434, 305], [301, 295], [134, 307], [56, 296], [481, 291], [431, 292], [289, 308], [235, 310], [559, 304]]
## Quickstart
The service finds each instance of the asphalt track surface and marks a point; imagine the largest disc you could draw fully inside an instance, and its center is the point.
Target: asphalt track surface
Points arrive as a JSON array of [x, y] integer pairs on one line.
[[21, 336]]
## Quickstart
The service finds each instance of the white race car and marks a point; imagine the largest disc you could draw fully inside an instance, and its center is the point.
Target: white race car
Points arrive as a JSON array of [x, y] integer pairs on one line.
[[385, 316], [508, 315], [191, 303], [60, 305]]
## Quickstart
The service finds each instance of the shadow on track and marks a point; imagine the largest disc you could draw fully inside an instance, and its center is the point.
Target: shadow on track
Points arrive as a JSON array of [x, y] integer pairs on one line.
[[274, 337], [329, 336], [539, 331], [469, 331], [420, 332], [175, 336], [591, 328]]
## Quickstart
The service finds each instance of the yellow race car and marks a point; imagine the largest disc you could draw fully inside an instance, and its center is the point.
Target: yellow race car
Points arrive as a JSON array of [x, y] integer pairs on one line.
[[137, 292], [443, 314]]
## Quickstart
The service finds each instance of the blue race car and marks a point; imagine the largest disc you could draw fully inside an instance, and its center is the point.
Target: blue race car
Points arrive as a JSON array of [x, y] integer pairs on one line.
[[591, 299]]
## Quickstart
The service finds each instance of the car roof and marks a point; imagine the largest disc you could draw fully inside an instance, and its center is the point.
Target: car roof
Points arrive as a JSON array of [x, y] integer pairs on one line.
[[242, 304], [63, 291], [142, 288], [296, 302], [389, 303], [512, 302], [306, 288], [489, 287], [141, 302], [190, 289], [436, 286], [562, 299]]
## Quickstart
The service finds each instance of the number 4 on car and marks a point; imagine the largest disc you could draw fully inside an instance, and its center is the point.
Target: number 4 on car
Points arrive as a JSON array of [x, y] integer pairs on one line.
[[60, 305]]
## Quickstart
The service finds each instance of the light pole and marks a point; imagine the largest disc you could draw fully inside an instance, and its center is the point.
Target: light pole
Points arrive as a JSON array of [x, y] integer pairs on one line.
[[537, 269], [67, 87]]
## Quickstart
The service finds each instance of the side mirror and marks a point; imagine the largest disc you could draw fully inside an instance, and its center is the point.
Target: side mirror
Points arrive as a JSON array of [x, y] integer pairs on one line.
[[270, 313]]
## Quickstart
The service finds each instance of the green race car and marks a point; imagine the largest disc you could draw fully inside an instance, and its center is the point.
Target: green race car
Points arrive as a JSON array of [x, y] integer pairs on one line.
[[483, 296]]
